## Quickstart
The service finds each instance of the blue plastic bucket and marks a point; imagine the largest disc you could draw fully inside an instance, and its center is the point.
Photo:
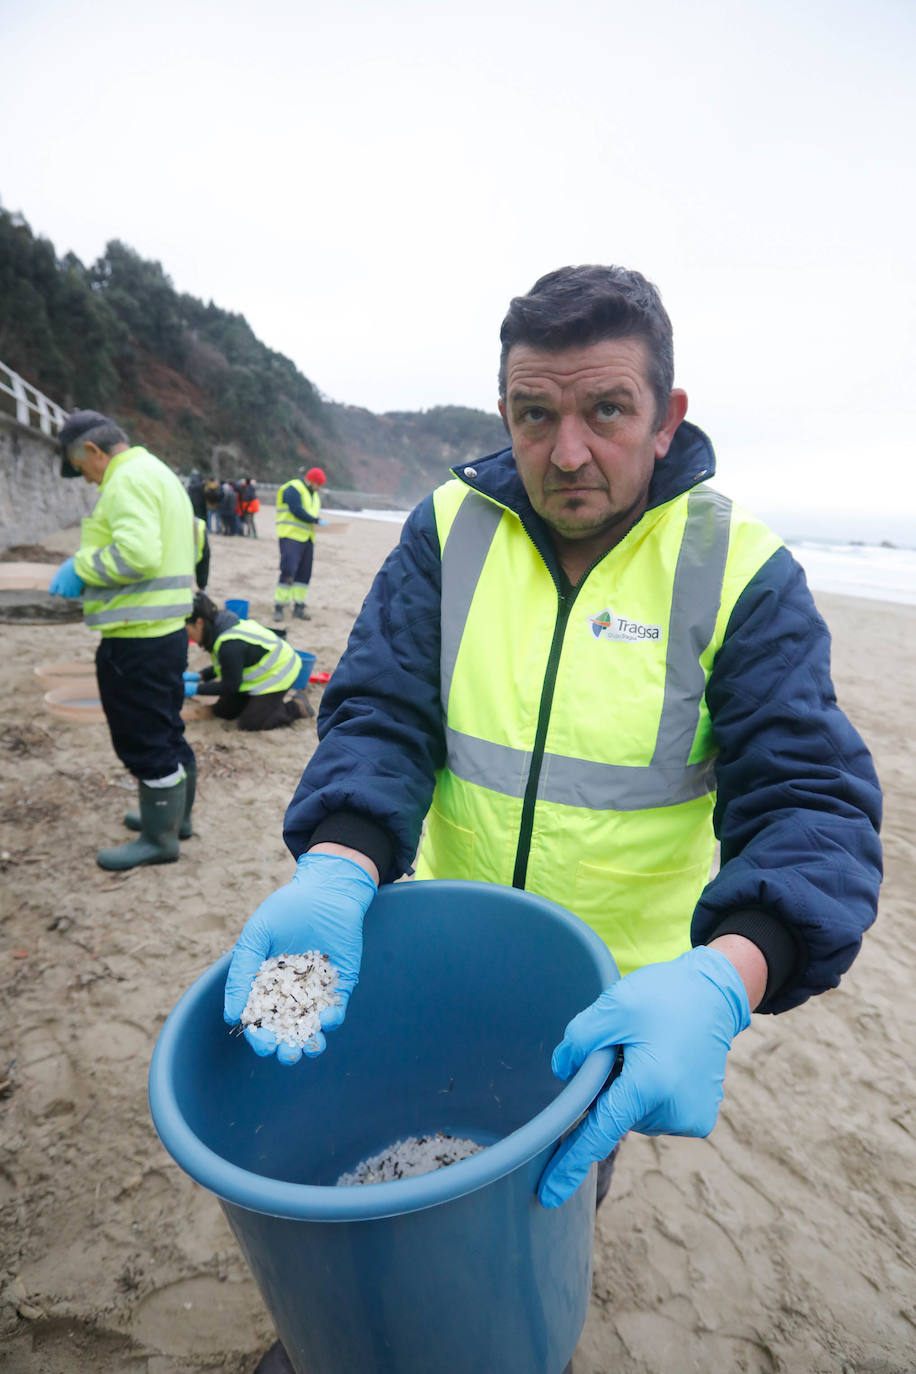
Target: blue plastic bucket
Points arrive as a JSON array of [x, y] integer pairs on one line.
[[239, 607], [465, 988], [305, 672]]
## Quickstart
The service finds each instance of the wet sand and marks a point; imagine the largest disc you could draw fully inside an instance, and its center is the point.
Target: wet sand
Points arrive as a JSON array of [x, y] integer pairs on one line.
[[783, 1243]]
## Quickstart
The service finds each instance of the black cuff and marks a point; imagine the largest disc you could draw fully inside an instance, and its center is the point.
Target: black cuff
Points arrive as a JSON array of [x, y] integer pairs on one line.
[[782, 946], [357, 832]]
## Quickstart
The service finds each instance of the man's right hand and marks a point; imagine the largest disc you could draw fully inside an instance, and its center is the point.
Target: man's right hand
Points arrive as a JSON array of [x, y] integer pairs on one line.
[[66, 581], [322, 908]]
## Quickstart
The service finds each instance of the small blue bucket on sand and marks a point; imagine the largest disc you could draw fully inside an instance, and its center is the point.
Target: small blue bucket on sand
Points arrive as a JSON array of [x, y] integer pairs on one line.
[[464, 990], [240, 608], [305, 672]]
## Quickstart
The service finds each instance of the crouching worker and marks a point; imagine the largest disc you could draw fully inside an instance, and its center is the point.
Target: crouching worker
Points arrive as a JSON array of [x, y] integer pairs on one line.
[[252, 671]]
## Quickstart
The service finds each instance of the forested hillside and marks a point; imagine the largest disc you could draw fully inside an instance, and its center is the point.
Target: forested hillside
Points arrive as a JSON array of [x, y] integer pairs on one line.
[[194, 383]]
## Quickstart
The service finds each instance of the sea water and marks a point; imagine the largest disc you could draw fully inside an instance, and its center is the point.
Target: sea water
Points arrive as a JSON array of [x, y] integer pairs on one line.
[[867, 570]]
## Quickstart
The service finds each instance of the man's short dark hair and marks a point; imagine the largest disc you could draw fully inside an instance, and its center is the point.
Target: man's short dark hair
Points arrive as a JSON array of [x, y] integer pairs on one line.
[[576, 306]]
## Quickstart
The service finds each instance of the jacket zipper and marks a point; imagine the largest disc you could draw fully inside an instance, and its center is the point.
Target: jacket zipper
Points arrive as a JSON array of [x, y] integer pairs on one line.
[[526, 825]]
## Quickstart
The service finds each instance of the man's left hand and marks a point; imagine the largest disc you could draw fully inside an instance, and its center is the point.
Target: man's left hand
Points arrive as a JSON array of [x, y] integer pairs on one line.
[[676, 1023], [66, 581]]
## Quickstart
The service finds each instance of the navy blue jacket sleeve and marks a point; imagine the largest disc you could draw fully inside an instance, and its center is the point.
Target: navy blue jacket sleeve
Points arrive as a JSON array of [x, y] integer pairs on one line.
[[380, 729], [296, 508], [799, 804]]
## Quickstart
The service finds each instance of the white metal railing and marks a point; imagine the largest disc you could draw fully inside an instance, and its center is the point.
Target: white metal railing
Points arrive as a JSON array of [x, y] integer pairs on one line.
[[29, 402]]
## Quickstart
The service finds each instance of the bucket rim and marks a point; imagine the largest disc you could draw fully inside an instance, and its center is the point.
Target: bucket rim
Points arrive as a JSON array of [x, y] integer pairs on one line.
[[330, 1203]]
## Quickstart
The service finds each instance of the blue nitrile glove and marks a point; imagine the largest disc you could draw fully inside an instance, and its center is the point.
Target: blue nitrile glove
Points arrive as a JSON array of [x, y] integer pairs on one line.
[[322, 908], [676, 1023], [190, 688], [189, 676], [322, 522], [66, 581]]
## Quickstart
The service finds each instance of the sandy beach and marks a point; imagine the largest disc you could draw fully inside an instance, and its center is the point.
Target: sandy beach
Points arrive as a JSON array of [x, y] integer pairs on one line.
[[785, 1243]]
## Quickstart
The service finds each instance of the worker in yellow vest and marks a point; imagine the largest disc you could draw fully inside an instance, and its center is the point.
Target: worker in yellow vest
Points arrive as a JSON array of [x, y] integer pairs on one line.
[[298, 514], [135, 573], [252, 669], [580, 666]]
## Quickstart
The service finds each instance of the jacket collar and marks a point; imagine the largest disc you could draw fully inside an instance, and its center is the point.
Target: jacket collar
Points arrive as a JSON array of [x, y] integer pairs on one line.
[[119, 460]]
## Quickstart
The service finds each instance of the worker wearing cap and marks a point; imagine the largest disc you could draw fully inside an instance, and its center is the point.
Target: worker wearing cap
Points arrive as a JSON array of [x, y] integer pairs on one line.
[[135, 573], [298, 507]]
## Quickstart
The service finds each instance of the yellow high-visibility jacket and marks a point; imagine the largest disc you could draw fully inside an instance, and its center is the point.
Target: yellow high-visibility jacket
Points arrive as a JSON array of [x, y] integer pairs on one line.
[[288, 526], [276, 669], [138, 550], [622, 777]]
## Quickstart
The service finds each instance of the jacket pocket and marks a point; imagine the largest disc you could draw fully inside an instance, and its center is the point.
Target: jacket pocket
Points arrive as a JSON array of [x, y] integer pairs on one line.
[[643, 918], [447, 850]]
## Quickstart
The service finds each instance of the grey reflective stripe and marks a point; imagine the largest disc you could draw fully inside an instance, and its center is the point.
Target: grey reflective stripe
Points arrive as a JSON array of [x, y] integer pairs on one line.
[[263, 664], [576, 782], [463, 557], [269, 641], [121, 563], [152, 584], [102, 572], [132, 613], [695, 601], [272, 683]]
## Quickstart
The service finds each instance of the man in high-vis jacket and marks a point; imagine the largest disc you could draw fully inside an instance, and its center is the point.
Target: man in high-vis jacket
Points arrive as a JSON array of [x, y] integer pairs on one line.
[[580, 666], [135, 574], [298, 513], [251, 671]]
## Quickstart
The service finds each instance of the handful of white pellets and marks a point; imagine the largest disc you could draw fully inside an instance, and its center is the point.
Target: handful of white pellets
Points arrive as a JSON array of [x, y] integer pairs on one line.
[[288, 995], [418, 1154]]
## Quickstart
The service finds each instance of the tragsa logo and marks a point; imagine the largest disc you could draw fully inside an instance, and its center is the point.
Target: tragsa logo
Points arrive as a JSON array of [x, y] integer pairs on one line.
[[608, 625]]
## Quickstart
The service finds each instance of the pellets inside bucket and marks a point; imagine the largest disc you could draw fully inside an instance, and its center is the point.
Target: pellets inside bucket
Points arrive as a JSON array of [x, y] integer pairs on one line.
[[288, 995], [418, 1154]]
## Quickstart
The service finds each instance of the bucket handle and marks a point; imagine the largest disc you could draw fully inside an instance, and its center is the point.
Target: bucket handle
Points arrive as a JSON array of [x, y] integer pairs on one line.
[[616, 1070]]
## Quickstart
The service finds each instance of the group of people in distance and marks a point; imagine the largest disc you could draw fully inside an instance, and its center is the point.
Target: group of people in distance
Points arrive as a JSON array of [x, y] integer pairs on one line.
[[227, 507]]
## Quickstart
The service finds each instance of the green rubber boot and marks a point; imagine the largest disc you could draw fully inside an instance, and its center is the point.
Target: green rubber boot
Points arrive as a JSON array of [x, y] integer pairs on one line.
[[161, 810], [132, 818]]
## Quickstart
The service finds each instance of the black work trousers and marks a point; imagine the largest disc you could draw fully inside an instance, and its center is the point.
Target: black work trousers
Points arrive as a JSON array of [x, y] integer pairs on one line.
[[264, 712], [142, 692], [296, 557]]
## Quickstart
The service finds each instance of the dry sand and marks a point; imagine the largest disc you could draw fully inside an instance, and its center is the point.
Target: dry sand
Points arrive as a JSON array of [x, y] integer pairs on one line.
[[783, 1243]]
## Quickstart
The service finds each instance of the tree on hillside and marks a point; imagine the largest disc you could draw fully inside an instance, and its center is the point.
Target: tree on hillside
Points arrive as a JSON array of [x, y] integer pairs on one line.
[[189, 378], [53, 330], [145, 300]]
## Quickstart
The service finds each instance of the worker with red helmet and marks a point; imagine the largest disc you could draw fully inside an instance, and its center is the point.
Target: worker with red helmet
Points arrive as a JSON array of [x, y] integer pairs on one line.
[[298, 507]]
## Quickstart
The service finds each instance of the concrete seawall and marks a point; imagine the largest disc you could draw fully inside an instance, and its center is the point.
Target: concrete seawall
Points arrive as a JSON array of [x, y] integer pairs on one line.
[[34, 499]]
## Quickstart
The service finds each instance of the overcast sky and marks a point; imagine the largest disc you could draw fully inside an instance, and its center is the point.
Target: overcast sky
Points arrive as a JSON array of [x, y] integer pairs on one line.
[[370, 183]]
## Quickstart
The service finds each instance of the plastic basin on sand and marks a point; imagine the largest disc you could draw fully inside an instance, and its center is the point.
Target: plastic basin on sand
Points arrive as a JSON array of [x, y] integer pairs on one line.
[[238, 607], [75, 699], [464, 991], [308, 663], [64, 671]]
